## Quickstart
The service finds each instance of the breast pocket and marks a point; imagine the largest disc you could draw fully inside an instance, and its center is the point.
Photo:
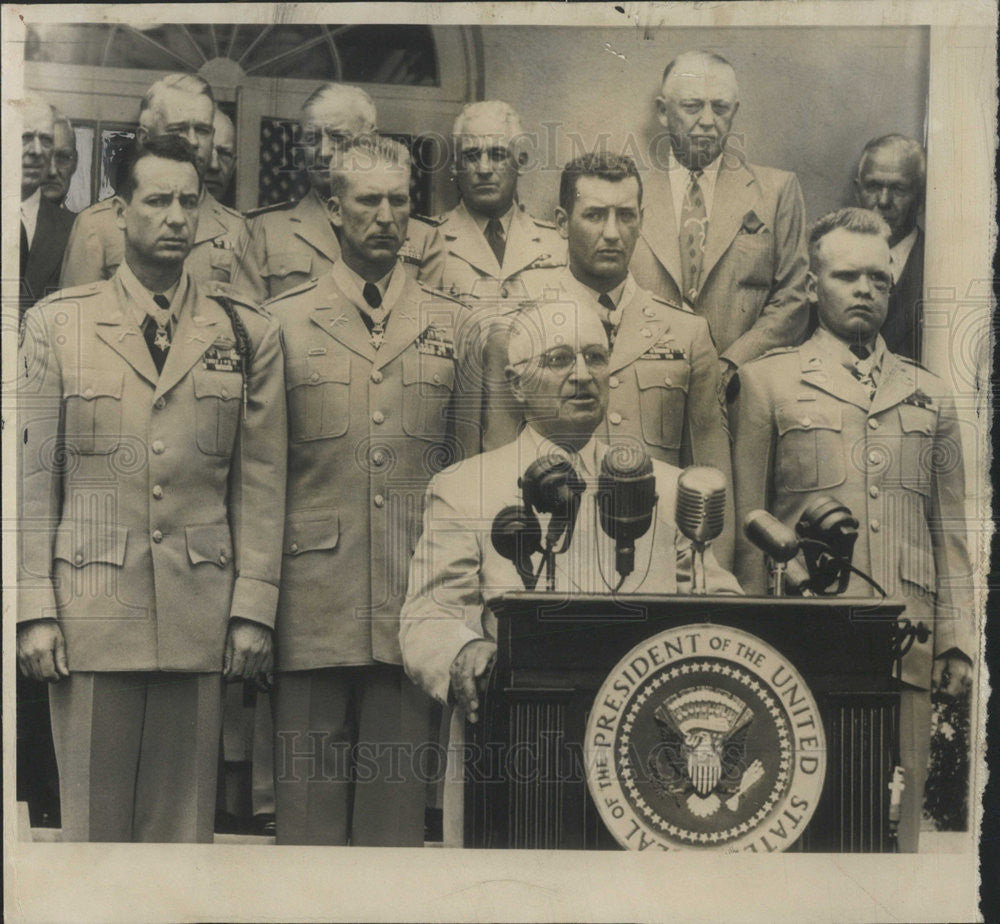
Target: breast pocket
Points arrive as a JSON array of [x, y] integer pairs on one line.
[[663, 389], [319, 404], [753, 260], [217, 410], [917, 451], [282, 264], [810, 454], [93, 399], [428, 382]]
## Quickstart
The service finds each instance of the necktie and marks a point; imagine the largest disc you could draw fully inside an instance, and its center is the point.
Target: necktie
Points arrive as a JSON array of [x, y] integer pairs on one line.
[[24, 249], [375, 320], [604, 300], [494, 237], [693, 233], [157, 332], [864, 368]]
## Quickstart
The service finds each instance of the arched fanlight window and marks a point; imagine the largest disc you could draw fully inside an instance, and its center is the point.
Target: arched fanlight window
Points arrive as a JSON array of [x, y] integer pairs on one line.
[[383, 54]]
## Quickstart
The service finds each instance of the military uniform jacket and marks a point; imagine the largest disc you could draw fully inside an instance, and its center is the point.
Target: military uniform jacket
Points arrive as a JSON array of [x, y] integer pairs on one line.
[[470, 267], [151, 508], [286, 245], [456, 570], [367, 429], [753, 275], [97, 245], [804, 427]]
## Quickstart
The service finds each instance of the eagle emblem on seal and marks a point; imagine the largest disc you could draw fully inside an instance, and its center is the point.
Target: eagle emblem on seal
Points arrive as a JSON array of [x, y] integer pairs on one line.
[[701, 760]]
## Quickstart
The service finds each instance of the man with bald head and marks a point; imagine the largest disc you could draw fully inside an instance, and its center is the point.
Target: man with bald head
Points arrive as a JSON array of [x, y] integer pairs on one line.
[[293, 242], [64, 162], [722, 235], [44, 227], [178, 104], [890, 180], [558, 366]]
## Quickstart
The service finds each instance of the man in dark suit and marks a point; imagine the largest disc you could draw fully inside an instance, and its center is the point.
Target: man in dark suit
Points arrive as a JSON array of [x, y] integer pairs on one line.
[[724, 236], [890, 180], [44, 226], [64, 162]]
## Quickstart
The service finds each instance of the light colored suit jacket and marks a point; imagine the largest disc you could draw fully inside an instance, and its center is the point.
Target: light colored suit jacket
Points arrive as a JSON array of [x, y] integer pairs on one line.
[[455, 569], [150, 505], [753, 274], [97, 246], [286, 245], [805, 427]]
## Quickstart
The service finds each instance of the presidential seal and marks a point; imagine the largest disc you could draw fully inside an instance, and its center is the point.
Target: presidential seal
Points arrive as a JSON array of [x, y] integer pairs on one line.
[[705, 737]]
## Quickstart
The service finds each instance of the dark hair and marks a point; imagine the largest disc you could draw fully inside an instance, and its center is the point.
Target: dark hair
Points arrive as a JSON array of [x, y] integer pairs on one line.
[[168, 147], [710, 55], [602, 164]]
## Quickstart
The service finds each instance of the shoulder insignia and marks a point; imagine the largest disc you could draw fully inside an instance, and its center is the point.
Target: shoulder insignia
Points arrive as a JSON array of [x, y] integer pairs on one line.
[[543, 224], [446, 296], [275, 207], [670, 303], [297, 290], [222, 290], [81, 291], [427, 220], [101, 206], [776, 351]]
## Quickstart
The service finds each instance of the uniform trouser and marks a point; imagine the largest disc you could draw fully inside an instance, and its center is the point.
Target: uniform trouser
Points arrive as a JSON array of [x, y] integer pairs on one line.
[[348, 746], [914, 751], [37, 777], [262, 757], [138, 755]]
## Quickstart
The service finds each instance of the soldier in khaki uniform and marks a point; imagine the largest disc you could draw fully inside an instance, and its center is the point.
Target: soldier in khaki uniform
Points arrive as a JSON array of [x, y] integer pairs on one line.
[[288, 244], [178, 104], [371, 383], [664, 373], [151, 476], [843, 416]]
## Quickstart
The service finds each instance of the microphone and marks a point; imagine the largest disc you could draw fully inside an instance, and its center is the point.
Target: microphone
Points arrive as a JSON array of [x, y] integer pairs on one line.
[[827, 530], [551, 485], [700, 513], [517, 535], [777, 541], [626, 498]]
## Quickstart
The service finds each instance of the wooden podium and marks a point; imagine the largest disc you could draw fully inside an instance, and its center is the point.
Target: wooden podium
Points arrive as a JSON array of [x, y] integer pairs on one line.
[[554, 653]]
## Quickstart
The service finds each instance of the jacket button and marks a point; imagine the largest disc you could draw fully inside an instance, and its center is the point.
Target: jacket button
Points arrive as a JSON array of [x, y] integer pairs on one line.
[[224, 392], [875, 525], [379, 500], [646, 332], [78, 558], [293, 548], [160, 403], [873, 458], [667, 380], [806, 421], [613, 381], [377, 377], [615, 417], [314, 377], [157, 491], [157, 536], [873, 423], [648, 312], [378, 417], [873, 490], [223, 558], [88, 393], [158, 447], [378, 457]]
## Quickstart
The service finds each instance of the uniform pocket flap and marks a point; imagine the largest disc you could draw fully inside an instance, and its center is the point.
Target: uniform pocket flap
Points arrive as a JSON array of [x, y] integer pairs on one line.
[[425, 369], [916, 566], [914, 419], [209, 542], [811, 417], [662, 374], [318, 370], [88, 543], [215, 383], [93, 383], [311, 530], [285, 262]]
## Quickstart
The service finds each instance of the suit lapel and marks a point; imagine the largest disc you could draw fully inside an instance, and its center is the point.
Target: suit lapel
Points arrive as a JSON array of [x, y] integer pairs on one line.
[[523, 242], [209, 226], [44, 254], [643, 323], [405, 323], [659, 228], [465, 240], [735, 194], [310, 222], [821, 371], [117, 328], [897, 382], [199, 323], [338, 317]]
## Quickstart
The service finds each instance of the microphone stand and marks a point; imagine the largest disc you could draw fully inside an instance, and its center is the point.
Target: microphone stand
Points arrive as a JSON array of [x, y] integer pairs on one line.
[[699, 581]]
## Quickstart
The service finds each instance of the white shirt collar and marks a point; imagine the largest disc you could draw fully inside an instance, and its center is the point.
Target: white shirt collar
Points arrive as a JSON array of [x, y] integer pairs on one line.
[[680, 180], [840, 351], [899, 254], [535, 446], [140, 299], [352, 285], [29, 213]]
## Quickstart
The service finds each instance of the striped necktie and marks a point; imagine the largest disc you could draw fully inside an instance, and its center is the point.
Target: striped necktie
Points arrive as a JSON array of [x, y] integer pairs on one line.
[[693, 234]]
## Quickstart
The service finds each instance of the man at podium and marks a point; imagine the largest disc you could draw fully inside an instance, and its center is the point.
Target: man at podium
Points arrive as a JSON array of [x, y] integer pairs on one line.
[[558, 368]]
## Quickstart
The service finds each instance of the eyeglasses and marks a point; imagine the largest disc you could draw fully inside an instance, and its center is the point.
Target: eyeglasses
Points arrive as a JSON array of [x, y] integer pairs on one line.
[[562, 359]]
